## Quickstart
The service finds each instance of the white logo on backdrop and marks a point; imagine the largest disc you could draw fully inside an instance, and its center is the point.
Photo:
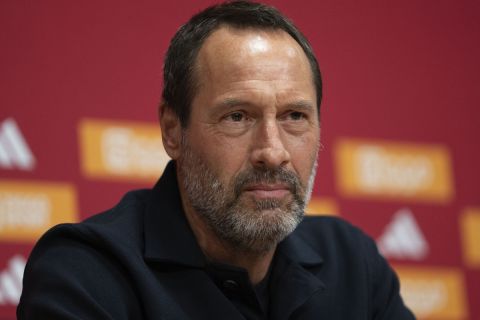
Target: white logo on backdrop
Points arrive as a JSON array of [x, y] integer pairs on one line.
[[24, 211], [379, 170], [11, 281], [124, 151], [402, 238], [424, 296], [14, 151]]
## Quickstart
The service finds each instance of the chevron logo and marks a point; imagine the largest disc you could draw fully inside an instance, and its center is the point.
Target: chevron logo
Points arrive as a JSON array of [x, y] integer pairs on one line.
[[11, 281], [402, 238], [14, 151]]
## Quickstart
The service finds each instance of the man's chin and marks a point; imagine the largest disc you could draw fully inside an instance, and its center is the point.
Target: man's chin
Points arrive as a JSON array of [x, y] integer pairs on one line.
[[257, 230]]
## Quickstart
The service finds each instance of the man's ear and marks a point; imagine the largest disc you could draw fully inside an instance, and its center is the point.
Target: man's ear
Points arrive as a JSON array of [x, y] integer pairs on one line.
[[171, 130]]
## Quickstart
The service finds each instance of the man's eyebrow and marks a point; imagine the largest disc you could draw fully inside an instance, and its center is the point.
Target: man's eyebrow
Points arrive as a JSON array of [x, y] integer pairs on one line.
[[231, 102], [302, 105]]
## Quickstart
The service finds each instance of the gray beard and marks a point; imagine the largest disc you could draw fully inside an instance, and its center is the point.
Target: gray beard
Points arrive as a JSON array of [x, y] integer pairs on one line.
[[245, 224]]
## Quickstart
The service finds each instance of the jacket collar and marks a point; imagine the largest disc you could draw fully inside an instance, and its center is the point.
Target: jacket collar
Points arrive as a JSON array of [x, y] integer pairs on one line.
[[169, 238], [298, 250]]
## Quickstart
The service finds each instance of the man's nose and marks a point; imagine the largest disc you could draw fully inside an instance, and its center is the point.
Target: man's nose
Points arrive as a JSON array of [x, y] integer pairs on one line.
[[268, 146]]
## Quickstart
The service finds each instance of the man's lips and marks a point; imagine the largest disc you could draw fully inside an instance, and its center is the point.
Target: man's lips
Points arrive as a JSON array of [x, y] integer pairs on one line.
[[268, 190]]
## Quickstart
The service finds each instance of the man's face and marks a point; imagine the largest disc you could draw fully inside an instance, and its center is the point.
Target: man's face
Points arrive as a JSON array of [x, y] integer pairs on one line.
[[249, 152]]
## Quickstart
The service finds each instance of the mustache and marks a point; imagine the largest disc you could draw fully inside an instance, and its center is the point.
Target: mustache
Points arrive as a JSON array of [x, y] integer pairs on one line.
[[266, 176]]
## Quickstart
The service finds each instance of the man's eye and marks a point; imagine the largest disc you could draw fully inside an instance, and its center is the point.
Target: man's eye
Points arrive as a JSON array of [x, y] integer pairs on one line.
[[236, 116], [295, 115]]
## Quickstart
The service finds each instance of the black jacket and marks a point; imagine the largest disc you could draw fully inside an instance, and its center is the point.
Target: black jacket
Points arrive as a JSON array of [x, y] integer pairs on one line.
[[140, 260]]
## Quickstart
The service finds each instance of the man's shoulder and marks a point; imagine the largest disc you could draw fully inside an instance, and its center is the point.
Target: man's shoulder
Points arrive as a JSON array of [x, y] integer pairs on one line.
[[87, 261], [347, 250], [135, 200], [120, 226]]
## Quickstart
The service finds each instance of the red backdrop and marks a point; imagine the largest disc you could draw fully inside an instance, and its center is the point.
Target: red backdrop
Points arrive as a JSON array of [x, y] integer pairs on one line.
[[80, 82]]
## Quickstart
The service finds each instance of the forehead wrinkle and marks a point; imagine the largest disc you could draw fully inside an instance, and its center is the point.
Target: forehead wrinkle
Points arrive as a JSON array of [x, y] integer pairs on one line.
[[208, 67]]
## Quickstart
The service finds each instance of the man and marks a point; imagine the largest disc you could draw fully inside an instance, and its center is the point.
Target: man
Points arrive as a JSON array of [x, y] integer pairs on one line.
[[221, 235]]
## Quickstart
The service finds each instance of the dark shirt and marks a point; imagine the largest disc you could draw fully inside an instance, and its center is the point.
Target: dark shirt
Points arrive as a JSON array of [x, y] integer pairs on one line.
[[140, 260], [251, 301]]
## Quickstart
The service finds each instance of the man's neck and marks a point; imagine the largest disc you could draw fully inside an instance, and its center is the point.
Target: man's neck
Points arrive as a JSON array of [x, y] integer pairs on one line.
[[216, 250]]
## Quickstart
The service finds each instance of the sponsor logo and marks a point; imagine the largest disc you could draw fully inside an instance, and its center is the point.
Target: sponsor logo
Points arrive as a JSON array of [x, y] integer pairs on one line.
[[126, 150], [403, 238], [321, 206], [28, 209], [11, 281], [14, 151], [394, 170], [470, 232], [434, 293]]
